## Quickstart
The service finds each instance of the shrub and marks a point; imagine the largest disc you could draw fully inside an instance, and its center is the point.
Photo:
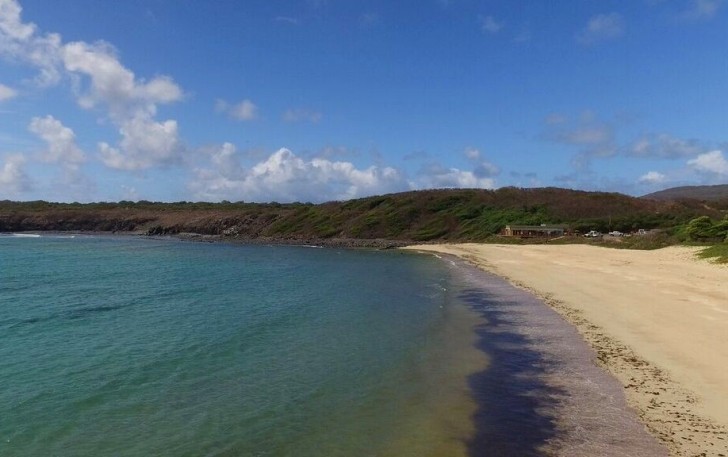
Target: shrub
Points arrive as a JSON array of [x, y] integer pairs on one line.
[[700, 228]]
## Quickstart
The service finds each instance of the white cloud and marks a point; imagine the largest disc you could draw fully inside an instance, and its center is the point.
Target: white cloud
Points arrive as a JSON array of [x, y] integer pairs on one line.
[[301, 115], [10, 23], [6, 93], [711, 162], [245, 110], [131, 104], [283, 176], [114, 85], [652, 177], [145, 143], [602, 27], [21, 41], [472, 153], [61, 141], [100, 81], [438, 177], [488, 24], [13, 179], [62, 150]]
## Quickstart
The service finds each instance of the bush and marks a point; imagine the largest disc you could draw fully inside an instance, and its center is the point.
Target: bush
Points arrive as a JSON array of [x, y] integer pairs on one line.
[[700, 229]]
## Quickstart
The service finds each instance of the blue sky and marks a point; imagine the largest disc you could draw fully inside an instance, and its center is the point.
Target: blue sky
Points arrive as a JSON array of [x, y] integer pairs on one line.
[[317, 100]]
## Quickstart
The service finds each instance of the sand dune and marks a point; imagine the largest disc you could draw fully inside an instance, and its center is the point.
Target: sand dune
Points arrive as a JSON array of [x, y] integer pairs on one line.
[[658, 320]]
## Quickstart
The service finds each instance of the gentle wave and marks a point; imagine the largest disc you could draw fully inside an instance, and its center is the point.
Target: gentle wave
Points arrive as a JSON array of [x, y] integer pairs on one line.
[[37, 235], [209, 349]]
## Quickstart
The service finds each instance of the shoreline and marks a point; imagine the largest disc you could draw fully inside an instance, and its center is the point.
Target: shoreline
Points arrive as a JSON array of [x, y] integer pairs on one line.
[[630, 307], [539, 391], [374, 243]]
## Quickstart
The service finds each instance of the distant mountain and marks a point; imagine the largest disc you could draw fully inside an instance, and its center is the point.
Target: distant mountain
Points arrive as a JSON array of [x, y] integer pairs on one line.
[[454, 215], [702, 193]]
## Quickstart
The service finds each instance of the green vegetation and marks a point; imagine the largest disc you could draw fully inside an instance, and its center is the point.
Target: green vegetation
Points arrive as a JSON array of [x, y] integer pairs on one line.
[[703, 229], [421, 216], [718, 252]]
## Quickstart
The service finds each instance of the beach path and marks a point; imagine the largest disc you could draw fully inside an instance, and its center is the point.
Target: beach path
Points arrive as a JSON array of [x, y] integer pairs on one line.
[[658, 320]]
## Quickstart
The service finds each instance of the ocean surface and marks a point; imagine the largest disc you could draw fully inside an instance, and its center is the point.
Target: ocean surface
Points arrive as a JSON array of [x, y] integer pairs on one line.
[[135, 347], [124, 346]]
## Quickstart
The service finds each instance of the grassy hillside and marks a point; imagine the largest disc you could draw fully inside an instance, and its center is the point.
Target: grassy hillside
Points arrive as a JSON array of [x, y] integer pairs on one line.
[[713, 194], [467, 214]]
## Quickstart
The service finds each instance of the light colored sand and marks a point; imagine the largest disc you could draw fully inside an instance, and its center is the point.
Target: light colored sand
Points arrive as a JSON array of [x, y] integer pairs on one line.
[[658, 320]]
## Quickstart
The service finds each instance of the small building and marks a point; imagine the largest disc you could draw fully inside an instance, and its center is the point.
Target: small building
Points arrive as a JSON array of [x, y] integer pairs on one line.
[[534, 231]]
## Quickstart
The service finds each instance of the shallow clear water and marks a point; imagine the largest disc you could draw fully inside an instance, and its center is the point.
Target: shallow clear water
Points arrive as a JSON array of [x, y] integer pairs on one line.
[[125, 346]]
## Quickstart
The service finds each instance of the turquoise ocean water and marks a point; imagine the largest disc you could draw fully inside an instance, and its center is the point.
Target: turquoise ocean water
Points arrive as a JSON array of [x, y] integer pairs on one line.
[[134, 347]]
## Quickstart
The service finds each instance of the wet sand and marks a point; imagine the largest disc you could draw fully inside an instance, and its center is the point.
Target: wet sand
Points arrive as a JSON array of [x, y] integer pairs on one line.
[[657, 320]]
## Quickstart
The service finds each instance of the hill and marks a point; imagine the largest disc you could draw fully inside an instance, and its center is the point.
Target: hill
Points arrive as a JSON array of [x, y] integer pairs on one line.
[[453, 215], [702, 193]]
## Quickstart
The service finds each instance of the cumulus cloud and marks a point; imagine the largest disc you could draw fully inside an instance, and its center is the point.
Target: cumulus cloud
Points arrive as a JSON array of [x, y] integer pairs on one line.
[[488, 24], [283, 176], [13, 179], [60, 139], [652, 177], [113, 85], [6, 93], [20, 41], [131, 105], [301, 115], [245, 110], [99, 81], [145, 143], [712, 162], [602, 27], [62, 150], [10, 22], [439, 177]]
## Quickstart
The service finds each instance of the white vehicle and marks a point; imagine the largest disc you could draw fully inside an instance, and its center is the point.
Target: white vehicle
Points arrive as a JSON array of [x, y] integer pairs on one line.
[[593, 234], [615, 233]]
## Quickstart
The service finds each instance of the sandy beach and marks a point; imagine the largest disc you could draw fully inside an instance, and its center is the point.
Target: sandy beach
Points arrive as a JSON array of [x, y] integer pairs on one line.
[[658, 321]]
